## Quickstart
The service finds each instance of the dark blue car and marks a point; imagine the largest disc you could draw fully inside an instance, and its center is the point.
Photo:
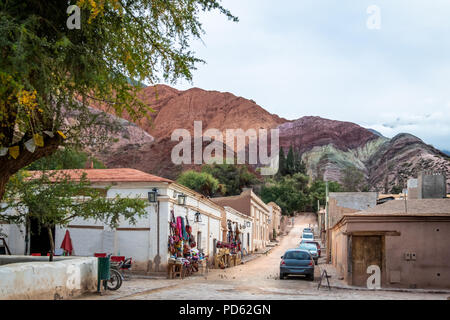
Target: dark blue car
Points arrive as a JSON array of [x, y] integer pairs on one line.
[[297, 262]]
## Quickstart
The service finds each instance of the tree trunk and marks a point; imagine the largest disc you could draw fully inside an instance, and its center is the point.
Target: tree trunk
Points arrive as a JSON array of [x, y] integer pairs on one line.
[[9, 166], [52, 244]]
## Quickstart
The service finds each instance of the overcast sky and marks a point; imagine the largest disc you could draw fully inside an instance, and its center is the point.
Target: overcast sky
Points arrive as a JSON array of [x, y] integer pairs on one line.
[[318, 57]]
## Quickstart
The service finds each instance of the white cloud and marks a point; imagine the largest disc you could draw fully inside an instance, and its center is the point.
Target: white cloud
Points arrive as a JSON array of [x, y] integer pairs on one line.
[[311, 57]]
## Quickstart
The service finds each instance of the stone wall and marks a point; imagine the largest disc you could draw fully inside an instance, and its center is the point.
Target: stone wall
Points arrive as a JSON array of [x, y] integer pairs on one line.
[[28, 277]]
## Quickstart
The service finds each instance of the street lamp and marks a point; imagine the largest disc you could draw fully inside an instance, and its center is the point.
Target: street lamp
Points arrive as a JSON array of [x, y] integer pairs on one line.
[[152, 195], [198, 217], [248, 224], [182, 199]]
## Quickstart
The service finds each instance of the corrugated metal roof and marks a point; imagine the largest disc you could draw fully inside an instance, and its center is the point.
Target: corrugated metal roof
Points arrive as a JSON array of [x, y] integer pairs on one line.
[[411, 207]]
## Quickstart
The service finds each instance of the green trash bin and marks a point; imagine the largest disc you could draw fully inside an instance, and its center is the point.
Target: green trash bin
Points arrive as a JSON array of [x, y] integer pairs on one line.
[[103, 271]]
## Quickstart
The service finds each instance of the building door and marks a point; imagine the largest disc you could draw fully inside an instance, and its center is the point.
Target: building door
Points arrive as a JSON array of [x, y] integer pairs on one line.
[[199, 240], [366, 251], [39, 238]]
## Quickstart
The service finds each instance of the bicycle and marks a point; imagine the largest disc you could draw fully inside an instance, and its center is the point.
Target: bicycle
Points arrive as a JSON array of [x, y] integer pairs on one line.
[[116, 276]]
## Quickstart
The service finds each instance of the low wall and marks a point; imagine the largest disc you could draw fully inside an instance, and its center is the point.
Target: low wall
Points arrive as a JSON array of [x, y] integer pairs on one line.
[[26, 277]]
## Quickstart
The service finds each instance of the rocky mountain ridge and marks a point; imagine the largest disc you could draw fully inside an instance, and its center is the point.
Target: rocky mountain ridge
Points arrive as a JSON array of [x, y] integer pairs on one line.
[[327, 146]]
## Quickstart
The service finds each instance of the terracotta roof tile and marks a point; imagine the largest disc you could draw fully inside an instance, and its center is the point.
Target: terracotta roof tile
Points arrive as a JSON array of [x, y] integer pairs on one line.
[[108, 175]]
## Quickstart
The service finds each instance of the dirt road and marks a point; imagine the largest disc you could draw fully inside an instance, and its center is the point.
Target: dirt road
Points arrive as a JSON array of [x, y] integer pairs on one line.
[[266, 266]]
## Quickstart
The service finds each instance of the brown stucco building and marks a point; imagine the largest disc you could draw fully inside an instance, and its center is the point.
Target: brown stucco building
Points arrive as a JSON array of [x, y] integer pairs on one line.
[[275, 220], [408, 240], [251, 205]]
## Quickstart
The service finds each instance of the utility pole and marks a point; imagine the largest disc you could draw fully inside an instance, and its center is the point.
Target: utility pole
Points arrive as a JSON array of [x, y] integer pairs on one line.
[[327, 232], [319, 219]]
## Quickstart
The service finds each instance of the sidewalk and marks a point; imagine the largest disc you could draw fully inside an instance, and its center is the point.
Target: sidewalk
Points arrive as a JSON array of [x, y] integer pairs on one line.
[[341, 284]]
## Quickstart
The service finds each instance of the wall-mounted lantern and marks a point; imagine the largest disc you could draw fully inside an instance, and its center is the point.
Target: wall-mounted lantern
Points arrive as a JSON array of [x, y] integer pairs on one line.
[[152, 195], [182, 199], [248, 224], [198, 217]]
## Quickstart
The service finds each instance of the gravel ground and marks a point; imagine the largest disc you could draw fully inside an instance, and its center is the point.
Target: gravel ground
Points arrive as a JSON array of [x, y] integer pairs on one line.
[[256, 280]]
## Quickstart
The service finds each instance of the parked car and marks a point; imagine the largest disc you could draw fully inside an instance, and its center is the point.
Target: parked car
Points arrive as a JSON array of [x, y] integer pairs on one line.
[[312, 249], [317, 245], [308, 236], [297, 262]]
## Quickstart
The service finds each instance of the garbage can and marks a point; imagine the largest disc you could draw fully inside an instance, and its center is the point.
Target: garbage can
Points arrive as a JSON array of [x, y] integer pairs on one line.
[[103, 271]]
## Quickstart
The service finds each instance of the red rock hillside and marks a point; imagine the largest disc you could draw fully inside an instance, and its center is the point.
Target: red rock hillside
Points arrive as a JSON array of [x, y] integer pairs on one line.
[[176, 109], [308, 132], [327, 146]]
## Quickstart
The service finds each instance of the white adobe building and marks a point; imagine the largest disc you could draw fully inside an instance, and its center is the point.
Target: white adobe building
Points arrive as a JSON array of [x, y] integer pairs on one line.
[[147, 241], [244, 224]]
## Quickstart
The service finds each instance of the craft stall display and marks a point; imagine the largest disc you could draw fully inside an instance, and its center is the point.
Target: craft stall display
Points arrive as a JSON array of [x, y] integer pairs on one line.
[[229, 253], [184, 257]]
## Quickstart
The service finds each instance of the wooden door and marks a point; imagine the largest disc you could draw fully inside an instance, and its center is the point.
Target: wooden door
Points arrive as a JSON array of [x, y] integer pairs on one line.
[[366, 251]]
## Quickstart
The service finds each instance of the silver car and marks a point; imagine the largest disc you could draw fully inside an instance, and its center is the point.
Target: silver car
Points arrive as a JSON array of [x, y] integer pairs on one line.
[[308, 236], [312, 249]]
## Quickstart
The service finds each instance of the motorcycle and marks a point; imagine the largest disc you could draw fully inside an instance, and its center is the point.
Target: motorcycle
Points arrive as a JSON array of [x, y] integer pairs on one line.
[[116, 275]]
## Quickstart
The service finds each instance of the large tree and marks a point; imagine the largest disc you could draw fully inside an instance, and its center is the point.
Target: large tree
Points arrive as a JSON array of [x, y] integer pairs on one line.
[[233, 177], [49, 75], [201, 182], [54, 198], [291, 193]]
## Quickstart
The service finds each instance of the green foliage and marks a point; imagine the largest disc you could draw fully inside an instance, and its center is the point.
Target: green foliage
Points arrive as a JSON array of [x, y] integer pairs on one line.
[[290, 187], [289, 192], [281, 163], [201, 182], [48, 72], [352, 180], [66, 158], [290, 164], [54, 199], [396, 189], [295, 194], [233, 177], [317, 191]]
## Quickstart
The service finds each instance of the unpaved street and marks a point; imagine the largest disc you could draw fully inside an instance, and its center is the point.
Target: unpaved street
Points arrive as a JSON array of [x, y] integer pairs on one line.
[[257, 279]]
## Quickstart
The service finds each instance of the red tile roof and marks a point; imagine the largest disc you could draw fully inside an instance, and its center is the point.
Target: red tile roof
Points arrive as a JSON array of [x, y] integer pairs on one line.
[[107, 175]]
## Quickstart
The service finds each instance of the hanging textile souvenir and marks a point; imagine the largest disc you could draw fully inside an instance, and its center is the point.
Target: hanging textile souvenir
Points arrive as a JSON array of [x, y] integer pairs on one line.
[[188, 227], [173, 224], [191, 239], [179, 226], [184, 234]]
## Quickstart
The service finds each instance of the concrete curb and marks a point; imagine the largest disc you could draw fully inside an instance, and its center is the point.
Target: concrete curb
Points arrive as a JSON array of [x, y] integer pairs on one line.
[[390, 289]]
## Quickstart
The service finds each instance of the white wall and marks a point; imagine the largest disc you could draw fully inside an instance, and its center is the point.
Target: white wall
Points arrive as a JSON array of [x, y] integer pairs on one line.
[[209, 227], [15, 238], [141, 245], [134, 244], [241, 220], [47, 280]]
